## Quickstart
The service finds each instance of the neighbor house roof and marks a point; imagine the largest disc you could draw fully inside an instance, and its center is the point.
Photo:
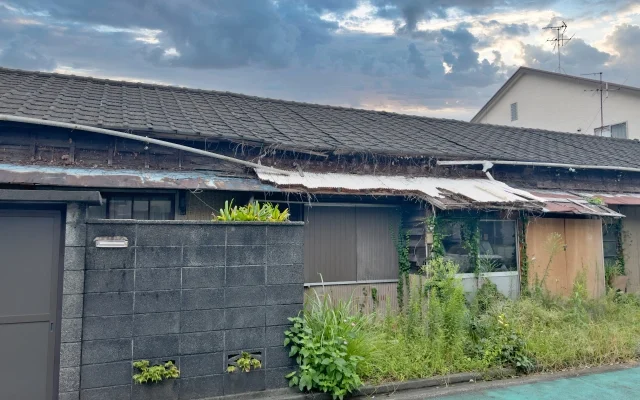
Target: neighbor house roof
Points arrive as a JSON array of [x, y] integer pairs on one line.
[[191, 113], [522, 71]]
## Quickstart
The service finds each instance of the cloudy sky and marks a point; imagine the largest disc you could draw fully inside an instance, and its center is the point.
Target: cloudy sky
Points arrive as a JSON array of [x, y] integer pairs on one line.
[[440, 58]]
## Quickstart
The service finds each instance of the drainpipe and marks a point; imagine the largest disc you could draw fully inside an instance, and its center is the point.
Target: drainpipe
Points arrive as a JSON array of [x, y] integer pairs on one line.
[[486, 166], [145, 139]]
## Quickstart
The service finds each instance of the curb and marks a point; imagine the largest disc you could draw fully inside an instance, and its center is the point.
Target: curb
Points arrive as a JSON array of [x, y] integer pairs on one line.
[[444, 380], [466, 382]]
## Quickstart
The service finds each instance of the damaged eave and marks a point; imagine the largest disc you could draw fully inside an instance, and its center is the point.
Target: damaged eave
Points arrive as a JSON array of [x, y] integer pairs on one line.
[[560, 202], [615, 199], [444, 193], [127, 179]]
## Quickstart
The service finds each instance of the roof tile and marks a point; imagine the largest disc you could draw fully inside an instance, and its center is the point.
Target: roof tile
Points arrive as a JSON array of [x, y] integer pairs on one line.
[[128, 105]]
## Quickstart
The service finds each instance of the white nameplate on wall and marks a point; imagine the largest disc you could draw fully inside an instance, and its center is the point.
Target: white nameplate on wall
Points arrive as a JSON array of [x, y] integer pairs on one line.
[[111, 242]]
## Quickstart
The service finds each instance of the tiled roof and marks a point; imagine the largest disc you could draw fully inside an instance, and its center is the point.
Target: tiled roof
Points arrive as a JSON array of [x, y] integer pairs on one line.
[[180, 111]]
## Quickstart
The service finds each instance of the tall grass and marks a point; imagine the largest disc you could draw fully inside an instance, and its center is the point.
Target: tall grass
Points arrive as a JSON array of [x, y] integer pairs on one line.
[[566, 334], [341, 319], [439, 332]]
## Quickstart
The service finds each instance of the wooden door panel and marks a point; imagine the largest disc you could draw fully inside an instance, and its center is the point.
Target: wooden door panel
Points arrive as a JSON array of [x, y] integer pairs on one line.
[[542, 266]]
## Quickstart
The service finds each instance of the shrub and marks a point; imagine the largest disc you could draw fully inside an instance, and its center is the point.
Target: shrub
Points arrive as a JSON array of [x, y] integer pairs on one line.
[[486, 297], [156, 373], [253, 212], [612, 270], [502, 345], [330, 343]]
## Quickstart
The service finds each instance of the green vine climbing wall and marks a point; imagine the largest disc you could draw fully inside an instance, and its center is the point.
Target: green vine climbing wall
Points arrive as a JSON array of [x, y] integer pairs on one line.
[[524, 258]]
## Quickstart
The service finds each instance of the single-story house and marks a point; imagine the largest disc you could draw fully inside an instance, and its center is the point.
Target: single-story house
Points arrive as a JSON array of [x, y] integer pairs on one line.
[[530, 204]]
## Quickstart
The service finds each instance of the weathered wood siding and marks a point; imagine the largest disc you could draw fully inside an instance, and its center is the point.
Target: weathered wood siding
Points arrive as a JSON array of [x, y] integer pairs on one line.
[[385, 298], [64, 147], [579, 249], [631, 246]]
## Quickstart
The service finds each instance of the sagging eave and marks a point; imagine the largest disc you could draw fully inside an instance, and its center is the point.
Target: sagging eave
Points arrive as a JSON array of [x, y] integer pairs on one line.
[[470, 204], [443, 193], [127, 179]]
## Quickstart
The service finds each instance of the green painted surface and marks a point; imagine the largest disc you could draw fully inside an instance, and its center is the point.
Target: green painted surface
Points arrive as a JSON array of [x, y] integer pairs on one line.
[[616, 385]]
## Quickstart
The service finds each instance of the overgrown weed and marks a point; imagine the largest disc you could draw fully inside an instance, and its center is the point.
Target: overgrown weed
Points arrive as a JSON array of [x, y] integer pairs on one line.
[[439, 332]]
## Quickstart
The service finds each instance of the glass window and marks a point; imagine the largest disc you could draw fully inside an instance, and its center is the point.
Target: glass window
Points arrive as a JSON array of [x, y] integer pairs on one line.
[[498, 246], [610, 243], [141, 207], [120, 207], [453, 243], [135, 206], [160, 208], [616, 131], [497, 249], [619, 131]]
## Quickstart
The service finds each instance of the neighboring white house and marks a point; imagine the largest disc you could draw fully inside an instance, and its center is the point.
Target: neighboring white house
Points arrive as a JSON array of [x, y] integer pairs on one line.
[[534, 98]]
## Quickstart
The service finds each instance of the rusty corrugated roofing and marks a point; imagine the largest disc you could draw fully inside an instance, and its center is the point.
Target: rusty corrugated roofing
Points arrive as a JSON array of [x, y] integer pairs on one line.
[[560, 202], [444, 193]]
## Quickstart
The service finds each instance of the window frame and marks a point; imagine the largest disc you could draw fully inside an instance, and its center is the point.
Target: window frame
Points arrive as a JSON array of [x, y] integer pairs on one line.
[[598, 131], [132, 196], [608, 227], [515, 223], [513, 110], [359, 263]]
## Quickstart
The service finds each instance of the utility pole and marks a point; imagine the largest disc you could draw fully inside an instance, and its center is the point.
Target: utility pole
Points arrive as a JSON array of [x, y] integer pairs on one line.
[[559, 41]]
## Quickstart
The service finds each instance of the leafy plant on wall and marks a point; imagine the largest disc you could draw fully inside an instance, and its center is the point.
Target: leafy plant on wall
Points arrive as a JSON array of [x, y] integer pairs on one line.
[[254, 211], [155, 373], [245, 362]]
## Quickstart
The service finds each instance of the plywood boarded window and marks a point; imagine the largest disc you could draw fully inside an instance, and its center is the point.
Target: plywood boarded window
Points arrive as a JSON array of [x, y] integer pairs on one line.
[[561, 249], [350, 243]]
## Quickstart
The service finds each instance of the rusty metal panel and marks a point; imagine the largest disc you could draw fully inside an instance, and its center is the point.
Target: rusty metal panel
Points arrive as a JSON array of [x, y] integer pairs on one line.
[[561, 202], [377, 253], [330, 244], [632, 199], [129, 179]]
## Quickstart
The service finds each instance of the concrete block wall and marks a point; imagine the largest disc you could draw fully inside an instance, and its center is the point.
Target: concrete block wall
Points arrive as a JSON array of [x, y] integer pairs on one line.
[[196, 293], [72, 302]]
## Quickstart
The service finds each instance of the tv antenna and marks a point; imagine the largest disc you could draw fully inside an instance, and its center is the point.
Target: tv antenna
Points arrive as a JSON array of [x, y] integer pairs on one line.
[[559, 41], [603, 88]]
